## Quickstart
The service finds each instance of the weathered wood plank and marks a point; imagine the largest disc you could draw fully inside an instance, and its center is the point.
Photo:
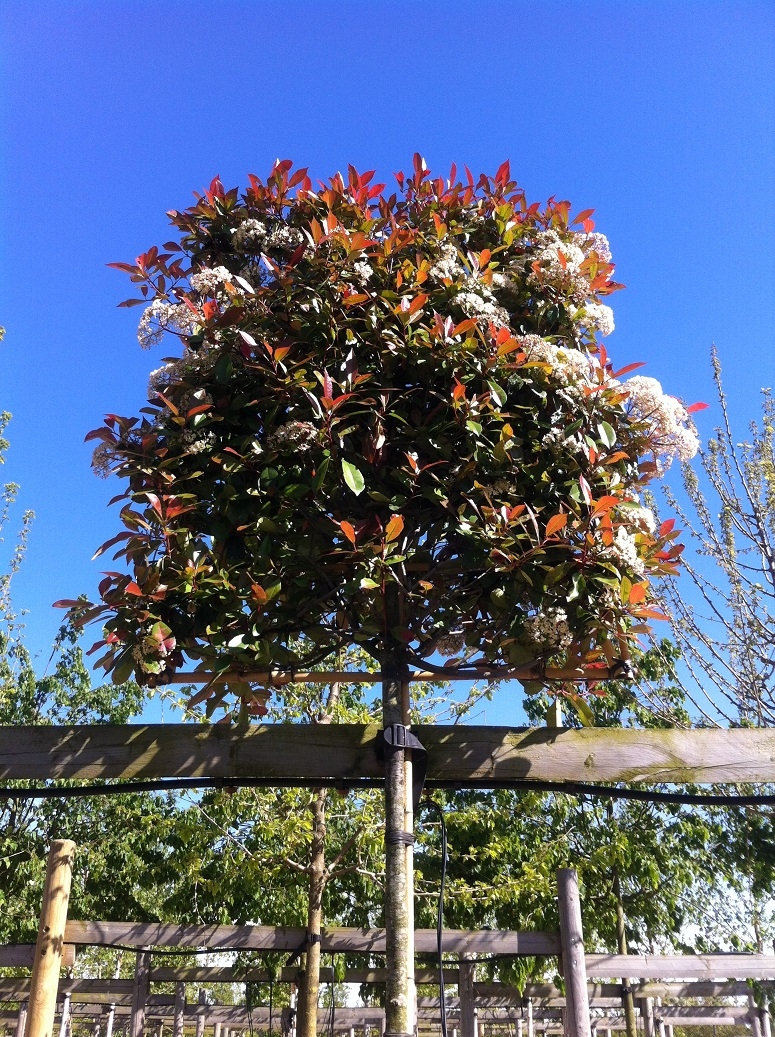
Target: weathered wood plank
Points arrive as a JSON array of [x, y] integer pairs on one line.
[[678, 1014], [229, 974], [21, 956], [699, 966], [335, 753], [263, 937], [19, 986]]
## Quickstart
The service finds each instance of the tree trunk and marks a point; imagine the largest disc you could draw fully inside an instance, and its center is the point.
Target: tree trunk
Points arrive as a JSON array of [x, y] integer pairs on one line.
[[309, 988], [628, 1001], [399, 886]]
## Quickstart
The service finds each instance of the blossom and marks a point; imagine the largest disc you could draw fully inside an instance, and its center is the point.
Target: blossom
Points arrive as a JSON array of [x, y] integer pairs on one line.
[[284, 238], [597, 243], [448, 266], [163, 316], [298, 435], [102, 460], [451, 644], [363, 271], [624, 551], [197, 442], [639, 518], [569, 365], [249, 235], [559, 263], [669, 426], [208, 280], [596, 316], [548, 629]]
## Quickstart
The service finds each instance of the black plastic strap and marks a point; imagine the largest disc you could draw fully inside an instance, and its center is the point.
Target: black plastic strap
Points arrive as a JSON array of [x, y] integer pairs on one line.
[[393, 739], [313, 938], [406, 838]]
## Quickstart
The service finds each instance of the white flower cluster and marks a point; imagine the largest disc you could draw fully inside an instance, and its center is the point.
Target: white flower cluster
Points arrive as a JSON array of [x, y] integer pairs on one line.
[[448, 266], [298, 435], [163, 316], [671, 431], [362, 271], [249, 236], [560, 263], [597, 243], [639, 518], [151, 646], [192, 361], [596, 317], [451, 644], [197, 442], [569, 366], [549, 630], [624, 552], [207, 281], [284, 238], [476, 300]]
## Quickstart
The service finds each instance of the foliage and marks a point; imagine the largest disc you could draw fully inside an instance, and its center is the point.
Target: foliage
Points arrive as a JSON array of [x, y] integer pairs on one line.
[[381, 391], [725, 624]]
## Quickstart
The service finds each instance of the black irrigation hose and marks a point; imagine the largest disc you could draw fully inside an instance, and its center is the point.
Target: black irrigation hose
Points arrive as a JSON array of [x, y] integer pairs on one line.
[[565, 788]]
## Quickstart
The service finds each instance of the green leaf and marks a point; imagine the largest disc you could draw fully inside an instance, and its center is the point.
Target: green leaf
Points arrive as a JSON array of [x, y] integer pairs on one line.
[[353, 477], [607, 434]]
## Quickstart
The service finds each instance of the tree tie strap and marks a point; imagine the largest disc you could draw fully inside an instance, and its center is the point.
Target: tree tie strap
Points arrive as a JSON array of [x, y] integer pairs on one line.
[[397, 737], [394, 837]]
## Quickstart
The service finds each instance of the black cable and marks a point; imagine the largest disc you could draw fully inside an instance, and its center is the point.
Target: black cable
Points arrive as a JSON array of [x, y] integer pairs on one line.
[[565, 788], [440, 911]]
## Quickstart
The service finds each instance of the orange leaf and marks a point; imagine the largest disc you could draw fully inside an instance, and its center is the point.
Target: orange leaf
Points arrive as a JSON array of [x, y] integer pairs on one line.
[[638, 593], [348, 531], [555, 523], [258, 593], [394, 528]]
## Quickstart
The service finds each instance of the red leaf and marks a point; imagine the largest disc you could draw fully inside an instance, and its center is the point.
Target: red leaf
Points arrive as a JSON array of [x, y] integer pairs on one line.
[[696, 406], [132, 588], [394, 528]]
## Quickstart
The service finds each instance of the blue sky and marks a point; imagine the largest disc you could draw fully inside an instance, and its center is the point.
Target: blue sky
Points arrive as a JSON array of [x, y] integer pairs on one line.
[[660, 115]]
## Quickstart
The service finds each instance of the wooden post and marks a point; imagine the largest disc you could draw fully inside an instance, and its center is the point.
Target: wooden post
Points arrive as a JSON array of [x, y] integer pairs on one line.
[[140, 994], [217, 1030], [66, 1018], [399, 930], [465, 991], [766, 1025], [21, 1020], [530, 1027], [200, 1019], [51, 937], [753, 1014], [647, 1011], [180, 1009], [573, 960]]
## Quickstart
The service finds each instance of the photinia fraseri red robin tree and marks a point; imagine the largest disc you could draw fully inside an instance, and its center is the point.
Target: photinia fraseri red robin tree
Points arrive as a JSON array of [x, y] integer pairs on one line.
[[391, 425], [382, 395]]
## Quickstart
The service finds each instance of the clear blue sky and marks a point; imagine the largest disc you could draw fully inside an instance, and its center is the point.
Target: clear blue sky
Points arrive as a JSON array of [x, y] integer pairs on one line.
[[661, 115]]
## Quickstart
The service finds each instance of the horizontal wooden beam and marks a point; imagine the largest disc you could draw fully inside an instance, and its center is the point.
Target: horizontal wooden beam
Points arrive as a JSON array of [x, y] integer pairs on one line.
[[464, 756], [21, 955], [15, 987], [205, 974], [280, 938], [678, 966]]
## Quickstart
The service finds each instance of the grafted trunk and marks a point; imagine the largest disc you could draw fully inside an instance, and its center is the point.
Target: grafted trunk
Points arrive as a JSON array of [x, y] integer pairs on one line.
[[399, 884]]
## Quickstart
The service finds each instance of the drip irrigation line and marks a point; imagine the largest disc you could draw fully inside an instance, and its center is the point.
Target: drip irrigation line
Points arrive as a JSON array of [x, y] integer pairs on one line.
[[566, 788]]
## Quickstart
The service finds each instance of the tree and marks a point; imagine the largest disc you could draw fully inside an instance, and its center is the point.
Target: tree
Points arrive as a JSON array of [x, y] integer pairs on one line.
[[725, 622], [392, 425]]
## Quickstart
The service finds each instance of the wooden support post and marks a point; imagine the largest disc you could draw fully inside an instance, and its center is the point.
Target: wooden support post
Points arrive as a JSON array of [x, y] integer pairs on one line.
[[530, 1027], [51, 937], [21, 1020], [573, 960], [200, 1019], [180, 1010], [465, 991], [756, 1022], [217, 1030], [399, 892], [647, 1012], [140, 994], [766, 1025], [66, 1018]]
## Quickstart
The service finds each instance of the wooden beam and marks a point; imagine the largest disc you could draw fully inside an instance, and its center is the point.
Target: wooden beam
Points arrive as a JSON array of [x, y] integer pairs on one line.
[[676, 966], [280, 938], [335, 753], [230, 974], [22, 955]]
